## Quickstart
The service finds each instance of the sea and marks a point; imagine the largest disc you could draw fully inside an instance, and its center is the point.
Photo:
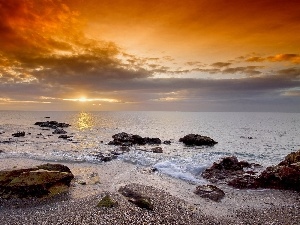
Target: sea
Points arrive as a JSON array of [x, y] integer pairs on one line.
[[263, 138]]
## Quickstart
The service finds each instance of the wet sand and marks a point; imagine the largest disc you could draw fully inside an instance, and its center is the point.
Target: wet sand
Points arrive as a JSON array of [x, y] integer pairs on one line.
[[174, 201]]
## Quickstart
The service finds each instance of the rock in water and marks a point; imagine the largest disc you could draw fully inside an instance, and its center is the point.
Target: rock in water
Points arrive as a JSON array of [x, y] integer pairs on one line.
[[196, 139], [41, 181], [125, 139], [286, 175], [210, 191]]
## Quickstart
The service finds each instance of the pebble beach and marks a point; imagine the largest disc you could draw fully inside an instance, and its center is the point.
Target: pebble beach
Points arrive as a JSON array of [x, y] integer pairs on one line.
[[173, 200]]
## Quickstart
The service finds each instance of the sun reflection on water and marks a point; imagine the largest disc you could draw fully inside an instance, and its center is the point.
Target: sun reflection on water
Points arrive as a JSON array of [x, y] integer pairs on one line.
[[85, 121]]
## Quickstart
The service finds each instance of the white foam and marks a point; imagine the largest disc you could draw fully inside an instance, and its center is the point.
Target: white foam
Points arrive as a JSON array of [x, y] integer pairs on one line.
[[174, 170]]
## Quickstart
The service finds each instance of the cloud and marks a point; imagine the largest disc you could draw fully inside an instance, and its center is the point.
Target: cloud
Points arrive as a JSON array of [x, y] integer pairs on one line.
[[248, 70], [293, 58], [221, 64]]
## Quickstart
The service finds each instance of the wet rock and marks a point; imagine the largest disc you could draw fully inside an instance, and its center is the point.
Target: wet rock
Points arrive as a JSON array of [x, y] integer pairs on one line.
[[64, 136], [232, 172], [126, 139], [105, 157], [167, 142], [157, 150], [19, 134], [52, 124], [136, 198], [210, 191], [59, 131], [41, 181], [244, 182], [107, 202], [286, 175], [198, 140]]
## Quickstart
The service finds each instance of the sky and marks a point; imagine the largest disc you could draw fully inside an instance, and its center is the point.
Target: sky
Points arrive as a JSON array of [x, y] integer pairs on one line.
[[110, 55]]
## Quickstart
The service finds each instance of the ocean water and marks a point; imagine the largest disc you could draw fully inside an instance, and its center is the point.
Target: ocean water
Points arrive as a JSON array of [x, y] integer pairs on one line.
[[264, 138]]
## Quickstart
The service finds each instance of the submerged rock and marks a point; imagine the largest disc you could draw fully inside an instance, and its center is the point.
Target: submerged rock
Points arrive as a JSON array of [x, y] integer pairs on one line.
[[40, 181], [209, 191], [126, 139], [196, 139], [136, 198], [157, 150]]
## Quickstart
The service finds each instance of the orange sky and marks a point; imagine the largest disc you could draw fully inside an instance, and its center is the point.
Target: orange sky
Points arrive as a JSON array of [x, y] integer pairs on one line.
[[206, 55]]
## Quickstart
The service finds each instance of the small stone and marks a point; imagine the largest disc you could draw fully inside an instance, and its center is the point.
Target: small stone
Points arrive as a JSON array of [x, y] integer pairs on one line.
[[157, 150]]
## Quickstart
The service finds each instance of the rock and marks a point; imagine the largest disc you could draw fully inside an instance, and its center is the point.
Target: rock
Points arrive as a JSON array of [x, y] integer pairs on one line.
[[125, 139], [167, 142], [59, 131], [19, 134], [136, 198], [231, 171], [157, 150], [107, 202], [210, 191], [1, 151], [196, 139], [291, 158], [105, 157], [64, 136], [41, 181], [285, 175], [52, 124], [245, 181]]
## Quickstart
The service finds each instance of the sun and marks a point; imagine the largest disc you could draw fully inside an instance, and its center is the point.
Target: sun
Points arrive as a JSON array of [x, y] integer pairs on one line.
[[82, 99]]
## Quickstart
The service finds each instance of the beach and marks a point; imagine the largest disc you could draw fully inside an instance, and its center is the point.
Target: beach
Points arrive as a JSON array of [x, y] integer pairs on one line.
[[173, 200]]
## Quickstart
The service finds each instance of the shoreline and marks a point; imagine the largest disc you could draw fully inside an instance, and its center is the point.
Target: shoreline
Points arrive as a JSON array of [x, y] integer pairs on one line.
[[263, 206]]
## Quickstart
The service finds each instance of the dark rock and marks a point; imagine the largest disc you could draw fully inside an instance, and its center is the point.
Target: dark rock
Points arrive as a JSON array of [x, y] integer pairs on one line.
[[245, 181], [125, 139], [1, 151], [105, 157], [285, 175], [41, 181], [52, 124], [291, 158], [196, 139], [210, 191], [19, 134], [157, 150], [59, 131], [64, 136], [136, 198], [167, 142], [107, 202], [230, 170]]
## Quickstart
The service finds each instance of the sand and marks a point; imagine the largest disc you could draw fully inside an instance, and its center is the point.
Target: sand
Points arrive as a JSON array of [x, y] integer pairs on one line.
[[174, 201]]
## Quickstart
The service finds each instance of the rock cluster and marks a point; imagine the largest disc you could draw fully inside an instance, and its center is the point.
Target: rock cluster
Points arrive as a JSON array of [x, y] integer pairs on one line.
[[126, 139], [285, 175], [40, 181], [52, 124], [198, 140]]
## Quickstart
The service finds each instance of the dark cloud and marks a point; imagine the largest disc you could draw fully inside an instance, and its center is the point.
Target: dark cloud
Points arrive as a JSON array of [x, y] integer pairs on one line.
[[221, 64], [248, 70], [255, 59]]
